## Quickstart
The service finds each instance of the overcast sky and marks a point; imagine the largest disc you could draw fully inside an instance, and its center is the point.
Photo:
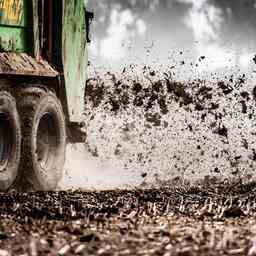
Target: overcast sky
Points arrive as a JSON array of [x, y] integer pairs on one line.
[[162, 31]]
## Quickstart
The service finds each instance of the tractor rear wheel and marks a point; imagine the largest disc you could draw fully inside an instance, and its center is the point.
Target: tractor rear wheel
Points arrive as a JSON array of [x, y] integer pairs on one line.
[[10, 140], [44, 140]]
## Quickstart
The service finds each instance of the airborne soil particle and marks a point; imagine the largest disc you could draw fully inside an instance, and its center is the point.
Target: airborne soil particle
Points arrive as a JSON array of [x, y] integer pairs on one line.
[[254, 59], [223, 131]]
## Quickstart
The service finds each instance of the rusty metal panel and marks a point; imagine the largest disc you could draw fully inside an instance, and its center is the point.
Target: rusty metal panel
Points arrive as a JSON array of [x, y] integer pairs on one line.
[[12, 12], [16, 26], [36, 36], [23, 64], [74, 55]]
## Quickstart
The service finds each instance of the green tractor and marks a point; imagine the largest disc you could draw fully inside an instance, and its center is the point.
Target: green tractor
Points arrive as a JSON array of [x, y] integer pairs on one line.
[[43, 64]]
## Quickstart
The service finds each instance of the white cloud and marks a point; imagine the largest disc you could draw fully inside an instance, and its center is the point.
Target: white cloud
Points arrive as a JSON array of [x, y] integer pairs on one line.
[[141, 27], [118, 34], [246, 59], [123, 28], [204, 25], [196, 3]]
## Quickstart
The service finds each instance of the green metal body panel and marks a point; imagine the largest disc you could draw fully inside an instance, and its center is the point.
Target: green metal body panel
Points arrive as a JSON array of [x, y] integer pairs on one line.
[[74, 52], [20, 33], [15, 26]]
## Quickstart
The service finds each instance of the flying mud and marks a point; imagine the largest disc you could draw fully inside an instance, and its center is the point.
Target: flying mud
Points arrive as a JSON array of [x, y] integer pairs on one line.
[[146, 127]]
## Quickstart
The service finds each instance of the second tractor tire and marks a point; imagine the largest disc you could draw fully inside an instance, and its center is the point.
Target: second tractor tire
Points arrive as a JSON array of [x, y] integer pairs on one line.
[[44, 140], [10, 140]]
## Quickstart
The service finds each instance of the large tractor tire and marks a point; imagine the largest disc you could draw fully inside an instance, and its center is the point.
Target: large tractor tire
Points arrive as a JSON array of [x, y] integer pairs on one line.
[[44, 140], [10, 141]]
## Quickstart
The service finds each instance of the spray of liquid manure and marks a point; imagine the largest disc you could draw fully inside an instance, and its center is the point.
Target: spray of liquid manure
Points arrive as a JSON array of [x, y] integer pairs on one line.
[[148, 127]]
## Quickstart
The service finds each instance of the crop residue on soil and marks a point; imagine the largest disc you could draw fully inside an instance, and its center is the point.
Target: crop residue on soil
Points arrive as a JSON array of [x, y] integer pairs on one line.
[[205, 219]]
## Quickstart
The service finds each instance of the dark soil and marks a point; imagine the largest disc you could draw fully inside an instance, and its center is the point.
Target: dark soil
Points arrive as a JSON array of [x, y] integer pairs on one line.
[[205, 219]]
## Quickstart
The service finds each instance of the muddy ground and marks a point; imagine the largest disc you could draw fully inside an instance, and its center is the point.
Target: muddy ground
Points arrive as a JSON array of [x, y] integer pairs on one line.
[[207, 219]]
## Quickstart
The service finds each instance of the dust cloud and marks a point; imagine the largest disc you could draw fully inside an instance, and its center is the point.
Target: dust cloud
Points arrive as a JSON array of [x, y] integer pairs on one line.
[[146, 129], [84, 171], [183, 111]]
